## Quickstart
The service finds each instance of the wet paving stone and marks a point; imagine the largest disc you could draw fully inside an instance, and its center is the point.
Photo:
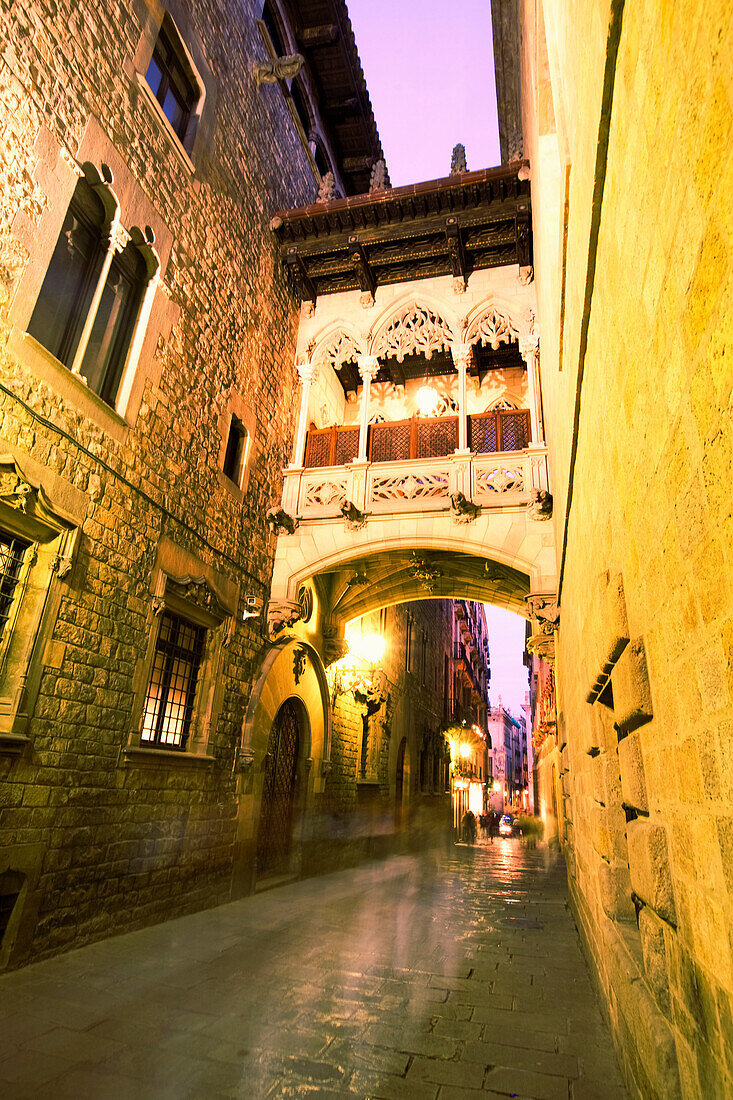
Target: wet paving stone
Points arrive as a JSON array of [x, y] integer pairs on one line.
[[452, 974]]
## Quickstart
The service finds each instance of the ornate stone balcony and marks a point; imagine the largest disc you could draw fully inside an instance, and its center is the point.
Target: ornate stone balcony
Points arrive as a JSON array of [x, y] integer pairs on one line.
[[361, 488]]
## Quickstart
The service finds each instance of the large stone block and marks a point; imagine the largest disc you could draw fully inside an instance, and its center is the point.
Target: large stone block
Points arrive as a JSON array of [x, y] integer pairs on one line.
[[631, 691], [651, 930], [651, 877], [615, 891], [633, 780]]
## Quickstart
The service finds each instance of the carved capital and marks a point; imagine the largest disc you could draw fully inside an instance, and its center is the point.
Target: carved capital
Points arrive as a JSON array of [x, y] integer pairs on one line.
[[118, 237], [366, 299], [368, 366], [307, 764], [542, 645], [462, 355], [307, 370]]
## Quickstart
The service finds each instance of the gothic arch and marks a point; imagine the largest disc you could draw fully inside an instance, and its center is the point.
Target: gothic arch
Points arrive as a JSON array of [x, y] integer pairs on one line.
[[337, 345], [413, 326], [496, 322]]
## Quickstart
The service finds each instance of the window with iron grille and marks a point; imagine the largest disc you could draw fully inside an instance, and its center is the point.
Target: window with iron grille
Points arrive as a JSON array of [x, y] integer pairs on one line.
[[172, 689], [12, 555], [170, 80]]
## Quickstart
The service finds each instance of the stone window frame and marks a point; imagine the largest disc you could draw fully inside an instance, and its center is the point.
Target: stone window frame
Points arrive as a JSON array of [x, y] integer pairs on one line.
[[126, 205], [186, 586], [239, 408], [47, 512], [174, 19]]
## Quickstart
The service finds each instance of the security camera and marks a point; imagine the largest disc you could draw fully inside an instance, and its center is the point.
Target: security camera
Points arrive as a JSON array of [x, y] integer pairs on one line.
[[252, 607]]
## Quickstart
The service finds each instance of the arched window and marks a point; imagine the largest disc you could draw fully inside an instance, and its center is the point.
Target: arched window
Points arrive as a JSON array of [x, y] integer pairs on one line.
[[85, 324]]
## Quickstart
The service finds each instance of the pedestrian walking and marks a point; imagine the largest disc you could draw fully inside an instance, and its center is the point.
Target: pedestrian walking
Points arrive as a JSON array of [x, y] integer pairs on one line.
[[468, 827]]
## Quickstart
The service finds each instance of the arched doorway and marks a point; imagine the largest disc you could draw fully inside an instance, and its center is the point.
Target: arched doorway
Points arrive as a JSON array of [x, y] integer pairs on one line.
[[274, 836]]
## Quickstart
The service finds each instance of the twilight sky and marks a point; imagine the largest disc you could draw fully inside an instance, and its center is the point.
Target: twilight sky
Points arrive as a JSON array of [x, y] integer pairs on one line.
[[506, 646], [429, 68]]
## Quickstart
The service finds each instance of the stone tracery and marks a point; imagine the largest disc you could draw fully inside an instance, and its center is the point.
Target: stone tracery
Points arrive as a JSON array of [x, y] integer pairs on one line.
[[414, 330]]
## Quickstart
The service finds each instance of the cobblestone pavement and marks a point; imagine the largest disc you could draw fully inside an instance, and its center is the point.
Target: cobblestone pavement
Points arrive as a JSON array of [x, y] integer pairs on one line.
[[452, 975]]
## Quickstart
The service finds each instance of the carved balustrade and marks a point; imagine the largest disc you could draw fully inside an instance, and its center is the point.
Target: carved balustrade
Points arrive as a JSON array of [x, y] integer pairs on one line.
[[497, 480]]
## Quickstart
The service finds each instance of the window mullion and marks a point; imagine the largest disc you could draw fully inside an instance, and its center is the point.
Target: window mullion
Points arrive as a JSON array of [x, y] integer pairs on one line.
[[116, 241]]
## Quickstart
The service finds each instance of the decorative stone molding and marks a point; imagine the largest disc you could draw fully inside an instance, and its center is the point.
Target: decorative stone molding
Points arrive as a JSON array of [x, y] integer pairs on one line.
[[492, 327], [366, 300], [540, 505], [308, 765], [333, 650], [424, 572], [326, 768], [542, 645], [307, 370], [414, 329], [526, 275], [327, 190], [462, 509], [278, 68], [279, 522], [544, 609], [339, 348], [378, 178], [458, 160], [300, 660], [281, 615], [459, 285]]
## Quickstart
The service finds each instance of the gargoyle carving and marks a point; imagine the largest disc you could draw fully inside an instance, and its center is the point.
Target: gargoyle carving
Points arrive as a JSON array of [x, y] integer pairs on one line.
[[281, 614], [544, 608], [355, 519], [279, 522], [278, 68], [540, 505], [458, 160], [462, 509], [372, 695]]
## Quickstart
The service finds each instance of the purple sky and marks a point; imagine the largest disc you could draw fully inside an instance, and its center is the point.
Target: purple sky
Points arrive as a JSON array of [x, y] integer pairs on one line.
[[506, 646], [429, 67]]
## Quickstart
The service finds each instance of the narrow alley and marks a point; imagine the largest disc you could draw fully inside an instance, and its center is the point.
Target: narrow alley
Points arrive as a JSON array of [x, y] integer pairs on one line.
[[447, 975]]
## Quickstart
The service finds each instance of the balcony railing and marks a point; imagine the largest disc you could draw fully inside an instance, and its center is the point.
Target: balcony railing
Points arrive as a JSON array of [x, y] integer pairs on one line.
[[421, 485], [419, 437]]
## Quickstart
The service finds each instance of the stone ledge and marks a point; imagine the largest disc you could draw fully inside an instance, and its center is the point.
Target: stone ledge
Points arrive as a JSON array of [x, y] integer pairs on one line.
[[12, 744], [138, 756]]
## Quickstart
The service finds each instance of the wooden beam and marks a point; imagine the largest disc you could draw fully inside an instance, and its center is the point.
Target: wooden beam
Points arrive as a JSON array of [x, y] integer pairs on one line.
[[324, 35], [341, 108], [296, 267], [456, 253], [360, 264], [524, 239]]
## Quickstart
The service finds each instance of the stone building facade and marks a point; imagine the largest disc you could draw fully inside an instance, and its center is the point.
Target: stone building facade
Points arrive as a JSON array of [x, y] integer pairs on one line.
[[627, 126], [146, 399]]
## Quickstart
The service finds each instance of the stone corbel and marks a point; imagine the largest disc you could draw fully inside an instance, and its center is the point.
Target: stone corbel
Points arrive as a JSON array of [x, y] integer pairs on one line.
[[278, 68], [543, 608], [279, 522], [462, 509], [326, 768], [281, 615], [243, 760], [542, 645], [354, 518]]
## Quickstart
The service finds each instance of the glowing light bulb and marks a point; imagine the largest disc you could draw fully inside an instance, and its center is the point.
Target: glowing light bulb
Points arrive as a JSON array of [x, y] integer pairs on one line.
[[427, 400], [465, 751]]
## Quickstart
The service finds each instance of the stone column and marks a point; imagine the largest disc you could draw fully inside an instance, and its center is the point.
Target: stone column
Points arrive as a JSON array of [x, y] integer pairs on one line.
[[141, 326], [368, 369], [308, 373], [462, 358], [529, 351], [116, 241]]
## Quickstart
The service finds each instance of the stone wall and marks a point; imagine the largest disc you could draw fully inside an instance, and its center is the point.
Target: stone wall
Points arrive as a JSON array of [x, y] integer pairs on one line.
[[637, 393], [106, 844]]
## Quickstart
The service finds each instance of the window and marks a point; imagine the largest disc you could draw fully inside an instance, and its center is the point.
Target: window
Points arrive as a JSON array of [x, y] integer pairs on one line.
[[172, 689], [301, 109], [171, 81], [90, 248], [236, 451], [12, 554], [72, 276], [273, 29]]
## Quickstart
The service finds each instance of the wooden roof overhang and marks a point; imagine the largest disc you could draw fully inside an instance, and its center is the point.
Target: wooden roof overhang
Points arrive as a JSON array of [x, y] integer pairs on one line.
[[325, 38], [452, 226]]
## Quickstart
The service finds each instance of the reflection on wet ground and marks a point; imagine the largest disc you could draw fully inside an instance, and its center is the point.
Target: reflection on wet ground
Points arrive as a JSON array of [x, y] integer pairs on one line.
[[449, 974]]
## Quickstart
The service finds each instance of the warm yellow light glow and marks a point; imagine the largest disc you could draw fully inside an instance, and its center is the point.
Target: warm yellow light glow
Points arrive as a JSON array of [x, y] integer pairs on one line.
[[465, 751], [364, 647], [496, 786], [427, 400], [475, 798]]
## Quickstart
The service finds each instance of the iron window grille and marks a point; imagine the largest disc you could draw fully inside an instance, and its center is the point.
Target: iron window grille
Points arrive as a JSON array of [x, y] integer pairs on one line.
[[12, 555], [172, 689], [171, 83]]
